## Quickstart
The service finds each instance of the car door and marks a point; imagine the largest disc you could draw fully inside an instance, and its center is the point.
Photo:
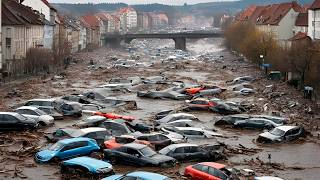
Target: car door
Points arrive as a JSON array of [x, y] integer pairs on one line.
[[134, 157], [195, 153], [3, 122], [215, 174], [12, 123], [74, 149], [179, 153], [292, 134]]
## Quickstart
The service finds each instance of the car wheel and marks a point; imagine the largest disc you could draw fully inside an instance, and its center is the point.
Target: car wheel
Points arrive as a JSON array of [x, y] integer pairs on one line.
[[42, 124]]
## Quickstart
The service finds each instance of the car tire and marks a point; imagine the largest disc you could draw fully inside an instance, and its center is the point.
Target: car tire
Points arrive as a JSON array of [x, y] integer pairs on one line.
[[42, 124]]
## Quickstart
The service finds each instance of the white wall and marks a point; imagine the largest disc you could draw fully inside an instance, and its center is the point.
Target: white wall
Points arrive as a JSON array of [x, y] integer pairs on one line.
[[48, 36], [39, 6], [314, 24], [286, 25]]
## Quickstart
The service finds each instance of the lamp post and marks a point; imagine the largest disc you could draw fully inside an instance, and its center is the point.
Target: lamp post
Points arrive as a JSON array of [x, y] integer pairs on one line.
[[262, 59]]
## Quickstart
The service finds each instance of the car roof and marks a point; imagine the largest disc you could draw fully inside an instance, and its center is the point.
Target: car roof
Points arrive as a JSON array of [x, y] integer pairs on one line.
[[147, 175], [286, 128], [190, 128], [179, 114], [174, 146], [200, 99], [92, 129], [213, 164], [10, 113], [72, 140], [267, 178], [88, 162], [33, 108], [135, 145]]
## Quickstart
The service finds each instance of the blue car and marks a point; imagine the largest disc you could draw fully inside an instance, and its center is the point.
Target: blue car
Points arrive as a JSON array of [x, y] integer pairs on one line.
[[68, 148], [86, 166], [142, 175]]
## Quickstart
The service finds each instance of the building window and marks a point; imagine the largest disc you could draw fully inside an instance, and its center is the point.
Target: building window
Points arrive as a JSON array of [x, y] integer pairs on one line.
[[8, 42]]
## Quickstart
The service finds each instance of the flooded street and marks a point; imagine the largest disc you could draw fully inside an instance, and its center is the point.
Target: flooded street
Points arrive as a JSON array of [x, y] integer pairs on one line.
[[298, 159]]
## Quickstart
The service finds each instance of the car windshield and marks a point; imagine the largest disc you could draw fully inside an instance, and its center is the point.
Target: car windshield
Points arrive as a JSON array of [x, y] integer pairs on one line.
[[40, 112], [277, 132], [56, 146], [146, 151]]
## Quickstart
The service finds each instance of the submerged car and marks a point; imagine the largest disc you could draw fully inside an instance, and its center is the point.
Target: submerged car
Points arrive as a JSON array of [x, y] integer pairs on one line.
[[114, 116], [11, 121], [97, 133], [138, 175], [163, 95], [67, 148], [208, 171], [138, 155], [119, 141], [281, 133], [116, 127], [189, 152], [36, 114], [157, 140], [199, 104], [176, 116], [242, 79], [256, 123], [92, 121], [86, 167], [232, 119], [226, 107], [192, 132]]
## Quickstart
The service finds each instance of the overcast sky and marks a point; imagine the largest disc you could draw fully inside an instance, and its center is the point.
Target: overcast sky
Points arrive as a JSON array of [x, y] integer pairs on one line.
[[171, 2]]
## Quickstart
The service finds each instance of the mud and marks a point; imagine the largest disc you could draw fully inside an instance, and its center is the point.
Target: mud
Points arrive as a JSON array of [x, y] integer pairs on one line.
[[294, 160]]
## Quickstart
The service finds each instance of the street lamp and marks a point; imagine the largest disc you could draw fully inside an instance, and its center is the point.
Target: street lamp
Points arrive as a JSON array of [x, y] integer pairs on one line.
[[262, 58]]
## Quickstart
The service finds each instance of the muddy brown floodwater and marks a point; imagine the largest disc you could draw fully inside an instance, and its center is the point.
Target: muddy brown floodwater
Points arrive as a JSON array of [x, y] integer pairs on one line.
[[293, 160]]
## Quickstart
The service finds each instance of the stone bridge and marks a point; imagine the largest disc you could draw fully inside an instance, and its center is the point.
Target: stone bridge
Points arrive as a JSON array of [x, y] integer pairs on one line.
[[180, 39]]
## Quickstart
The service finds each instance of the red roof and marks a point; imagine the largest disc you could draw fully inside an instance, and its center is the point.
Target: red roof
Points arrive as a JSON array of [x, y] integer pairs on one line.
[[14, 13], [299, 36], [273, 14], [125, 10], [315, 5], [256, 13], [214, 165], [92, 20], [302, 19], [246, 14]]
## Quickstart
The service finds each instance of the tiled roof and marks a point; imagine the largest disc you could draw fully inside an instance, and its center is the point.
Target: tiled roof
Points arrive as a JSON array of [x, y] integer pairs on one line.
[[256, 13], [273, 14], [92, 20], [125, 10], [299, 36], [14, 13], [302, 19], [315, 5], [246, 14]]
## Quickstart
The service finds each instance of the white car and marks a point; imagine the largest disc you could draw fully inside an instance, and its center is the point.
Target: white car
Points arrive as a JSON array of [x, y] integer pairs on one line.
[[192, 132], [36, 114], [176, 116], [267, 178]]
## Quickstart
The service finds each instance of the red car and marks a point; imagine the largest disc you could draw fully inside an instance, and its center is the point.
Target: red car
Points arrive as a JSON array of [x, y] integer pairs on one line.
[[207, 171], [193, 91], [114, 116], [118, 141], [200, 104]]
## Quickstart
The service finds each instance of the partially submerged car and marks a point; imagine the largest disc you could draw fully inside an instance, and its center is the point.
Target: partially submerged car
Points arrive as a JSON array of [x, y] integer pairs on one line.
[[52, 112], [97, 133], [208, 171], [245, 91], [163, 114], [119, 141], [138, 175], [267, 178], [92, 121], [116, 127], [189, 152], [114, 116], [281, 134], [165, 94], [86, 167], [192, 132], [256, 123], [242, 79], [67, 148], [199, 104], [157, 140], [36, 114], [11, 121], [232, 119], [226, 107], [138, 155], [176, 116]]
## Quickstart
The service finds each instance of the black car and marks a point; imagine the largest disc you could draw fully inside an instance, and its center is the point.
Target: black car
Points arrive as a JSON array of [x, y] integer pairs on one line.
[[158, 140], [10, 121], [137, 155], [191, 152]]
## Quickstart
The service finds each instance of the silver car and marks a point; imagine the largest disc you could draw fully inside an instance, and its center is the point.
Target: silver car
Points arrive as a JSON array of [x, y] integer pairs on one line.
[[36, 114]]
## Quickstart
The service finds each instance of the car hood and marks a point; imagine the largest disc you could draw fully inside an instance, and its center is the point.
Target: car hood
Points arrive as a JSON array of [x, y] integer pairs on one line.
[[161, 158], [46, 118], [270, 136], [45, 155]]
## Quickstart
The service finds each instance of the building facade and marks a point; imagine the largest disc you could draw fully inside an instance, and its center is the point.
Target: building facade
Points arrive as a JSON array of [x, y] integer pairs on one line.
[[314, 20]]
